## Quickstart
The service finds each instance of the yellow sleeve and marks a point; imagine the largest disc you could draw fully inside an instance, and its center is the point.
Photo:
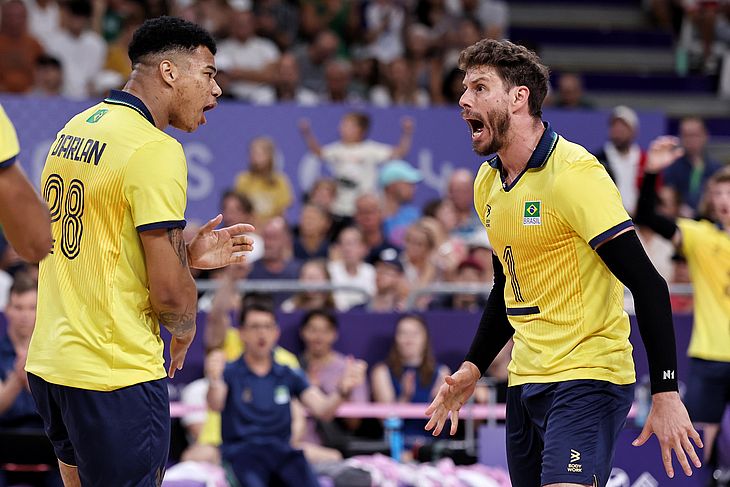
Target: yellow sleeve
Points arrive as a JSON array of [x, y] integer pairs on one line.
[[480, 191], [282, 356], [232, 345], [9, 147], [590, 203], [155, 185], [691, 234]]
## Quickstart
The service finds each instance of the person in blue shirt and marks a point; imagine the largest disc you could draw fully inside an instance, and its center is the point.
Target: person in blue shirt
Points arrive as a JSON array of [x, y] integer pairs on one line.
[[17, 409], [254, 397], [688, 175], [398, 180]]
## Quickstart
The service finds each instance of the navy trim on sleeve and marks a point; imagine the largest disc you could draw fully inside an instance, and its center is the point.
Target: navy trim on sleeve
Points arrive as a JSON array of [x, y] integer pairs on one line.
[[528, 310], [610, 233], [8, 162], [169, 225]]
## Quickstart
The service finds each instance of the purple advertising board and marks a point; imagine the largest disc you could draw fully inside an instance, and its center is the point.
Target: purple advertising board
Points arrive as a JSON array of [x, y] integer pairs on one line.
[[219, 150]]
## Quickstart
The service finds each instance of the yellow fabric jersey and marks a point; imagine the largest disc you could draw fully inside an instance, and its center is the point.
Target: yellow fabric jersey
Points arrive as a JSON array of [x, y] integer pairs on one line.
[[109, 174], [233, 348], [9, 147], [565, 305], [269, 198], [707, 249]]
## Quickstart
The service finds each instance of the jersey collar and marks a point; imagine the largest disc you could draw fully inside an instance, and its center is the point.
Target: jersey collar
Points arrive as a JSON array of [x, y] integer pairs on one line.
[[118, 97], [539, 156]]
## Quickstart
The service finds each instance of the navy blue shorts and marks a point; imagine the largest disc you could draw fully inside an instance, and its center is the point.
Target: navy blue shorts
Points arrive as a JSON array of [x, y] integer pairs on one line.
[[265, 463], [708, 390], [564, 431], [118, 438]]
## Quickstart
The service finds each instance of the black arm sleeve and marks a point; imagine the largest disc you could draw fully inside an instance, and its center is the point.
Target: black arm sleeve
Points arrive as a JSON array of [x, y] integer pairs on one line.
[[646, 209], [494, 329], [626, 258]]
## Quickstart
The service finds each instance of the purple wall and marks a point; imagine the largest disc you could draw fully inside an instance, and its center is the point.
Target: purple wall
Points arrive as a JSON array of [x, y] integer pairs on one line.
[[218, 150]]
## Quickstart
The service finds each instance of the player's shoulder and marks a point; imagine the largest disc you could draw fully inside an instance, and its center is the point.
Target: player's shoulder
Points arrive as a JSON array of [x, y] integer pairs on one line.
[[571, 156], [702, 226], [486, 173]]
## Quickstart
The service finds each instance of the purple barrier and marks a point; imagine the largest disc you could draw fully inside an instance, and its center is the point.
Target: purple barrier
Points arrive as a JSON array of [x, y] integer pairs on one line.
[[219, 150]]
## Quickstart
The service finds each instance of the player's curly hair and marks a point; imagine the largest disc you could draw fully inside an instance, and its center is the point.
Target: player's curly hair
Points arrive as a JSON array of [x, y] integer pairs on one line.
[[164, 34], [515, 64]]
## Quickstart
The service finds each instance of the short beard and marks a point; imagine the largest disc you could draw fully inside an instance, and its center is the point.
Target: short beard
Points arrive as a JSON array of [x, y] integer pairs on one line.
[[499, 123]]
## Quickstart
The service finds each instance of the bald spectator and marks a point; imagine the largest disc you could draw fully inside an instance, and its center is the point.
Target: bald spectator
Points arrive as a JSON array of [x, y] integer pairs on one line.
[[19, 50], [277, 261], [81, 51], [570, 93], [248, 60], [313, 58], [369, 220], [688, 175], [621, 155], [287, 84], [460, 191]]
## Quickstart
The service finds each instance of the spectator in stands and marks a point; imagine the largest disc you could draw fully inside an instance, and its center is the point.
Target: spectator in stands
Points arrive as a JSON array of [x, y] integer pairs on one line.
[[287, 83], [688, 175], [313, 57], [48, 77], [398, 180], [253, 395], [268, 188], [410, 374], [338, 83], [570, 94], [384, 22], [278, 261], [459, 191], [311, 240], [400, 87], [313, 271], [325, 366], [426, 66], [17, 409], [250, 61], [352, 270], [621, 155], [417, 256], [44, 19], [277, 20], [19, 50], [323, 193], [467, 31], [492, 15], [354, 159], [706, 246], [391, 287], [82, 51], [479, 249], [452, 86], [117, 59], [343, 19], [237, 208], [469, 271], [449, 251], [369, 219]]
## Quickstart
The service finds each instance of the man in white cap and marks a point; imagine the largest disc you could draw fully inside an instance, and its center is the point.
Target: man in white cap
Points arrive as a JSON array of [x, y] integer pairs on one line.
[[398, 180], [621, 155]]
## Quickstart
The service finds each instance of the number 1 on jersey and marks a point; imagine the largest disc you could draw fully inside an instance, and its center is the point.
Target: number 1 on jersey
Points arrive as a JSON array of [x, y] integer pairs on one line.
[[509, 259]]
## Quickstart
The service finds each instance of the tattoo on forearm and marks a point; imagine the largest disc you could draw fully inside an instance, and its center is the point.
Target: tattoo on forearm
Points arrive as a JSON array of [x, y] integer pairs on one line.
[[178, 244], [179, 324]]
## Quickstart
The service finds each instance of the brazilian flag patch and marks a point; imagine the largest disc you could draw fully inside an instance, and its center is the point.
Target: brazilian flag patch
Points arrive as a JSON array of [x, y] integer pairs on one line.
[[531, 215]]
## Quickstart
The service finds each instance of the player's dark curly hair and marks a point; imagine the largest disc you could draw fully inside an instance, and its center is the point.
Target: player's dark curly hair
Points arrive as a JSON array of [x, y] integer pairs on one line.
[[164, 34], [516, 65]]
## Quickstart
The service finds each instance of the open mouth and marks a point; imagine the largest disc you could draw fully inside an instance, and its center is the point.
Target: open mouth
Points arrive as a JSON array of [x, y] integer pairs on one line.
[[475, 125], [210, 106]]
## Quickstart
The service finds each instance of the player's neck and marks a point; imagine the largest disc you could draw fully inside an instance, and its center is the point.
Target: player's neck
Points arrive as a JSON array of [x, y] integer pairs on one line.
[[138, 87], [521, 142]]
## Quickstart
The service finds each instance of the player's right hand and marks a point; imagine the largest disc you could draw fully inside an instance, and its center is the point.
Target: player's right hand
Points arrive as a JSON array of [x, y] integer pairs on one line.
[[178, 351], [663, 151], [215, 363], [453, 394]]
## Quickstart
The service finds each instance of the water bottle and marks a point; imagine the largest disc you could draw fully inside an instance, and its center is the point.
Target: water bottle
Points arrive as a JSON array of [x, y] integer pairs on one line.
[[394, 436]]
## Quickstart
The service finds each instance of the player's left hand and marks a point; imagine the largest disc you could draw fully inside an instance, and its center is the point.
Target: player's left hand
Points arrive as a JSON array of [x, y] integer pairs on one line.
[[211, 249], [669, 421]]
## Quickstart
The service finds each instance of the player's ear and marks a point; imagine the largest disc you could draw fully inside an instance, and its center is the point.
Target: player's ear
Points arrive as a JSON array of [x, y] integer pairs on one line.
[[520, 96], [168, 71]]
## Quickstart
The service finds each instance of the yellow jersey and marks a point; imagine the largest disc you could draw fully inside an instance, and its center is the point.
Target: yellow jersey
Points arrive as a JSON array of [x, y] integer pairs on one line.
[[269, 198], [109, 174], [565, 305], [9, 147], [707, 249]]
